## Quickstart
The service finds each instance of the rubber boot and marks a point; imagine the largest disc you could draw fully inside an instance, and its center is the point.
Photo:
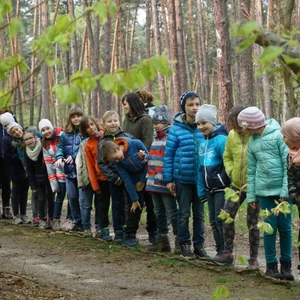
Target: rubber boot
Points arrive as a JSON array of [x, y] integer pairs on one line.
[[285, 269], [272, 271]]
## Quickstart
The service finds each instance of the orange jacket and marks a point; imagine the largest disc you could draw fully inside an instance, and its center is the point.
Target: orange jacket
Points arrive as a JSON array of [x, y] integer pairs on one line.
[[91, 152]]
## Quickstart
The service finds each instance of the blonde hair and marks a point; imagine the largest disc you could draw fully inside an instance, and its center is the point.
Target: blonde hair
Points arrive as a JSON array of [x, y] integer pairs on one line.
[[108, 114]]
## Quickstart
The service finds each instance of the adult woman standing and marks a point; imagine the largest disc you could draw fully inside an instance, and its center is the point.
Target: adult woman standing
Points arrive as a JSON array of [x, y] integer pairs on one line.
[[139, 124]]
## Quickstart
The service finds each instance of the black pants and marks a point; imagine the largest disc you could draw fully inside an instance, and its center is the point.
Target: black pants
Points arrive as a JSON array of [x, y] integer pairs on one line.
[[5, 182], [46, 200], [151, 217], [104, 203], [19, 196]]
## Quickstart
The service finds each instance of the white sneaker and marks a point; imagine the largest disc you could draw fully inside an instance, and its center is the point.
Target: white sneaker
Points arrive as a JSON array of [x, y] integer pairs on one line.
[[56, 225], [68, 225], [25, 219], [17, 220], [43, 224], [87, 233]]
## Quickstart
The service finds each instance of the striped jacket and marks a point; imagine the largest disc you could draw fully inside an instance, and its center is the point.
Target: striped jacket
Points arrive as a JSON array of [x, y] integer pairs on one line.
[[155, 160]]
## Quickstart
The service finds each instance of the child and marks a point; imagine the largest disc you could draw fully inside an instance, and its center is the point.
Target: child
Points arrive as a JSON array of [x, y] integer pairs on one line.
[[123, 151], [291, 136], [164, 202], [212, 169], [180, 172], [37, 176], [111, 124], [12, 152], [267, 182], [67, 151], [236, 168], [56, 176], [98, 183]]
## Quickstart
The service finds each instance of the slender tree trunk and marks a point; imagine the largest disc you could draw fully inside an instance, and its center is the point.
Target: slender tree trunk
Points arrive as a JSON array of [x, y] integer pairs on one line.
[[132, 35], [223, 57], [148, 36]]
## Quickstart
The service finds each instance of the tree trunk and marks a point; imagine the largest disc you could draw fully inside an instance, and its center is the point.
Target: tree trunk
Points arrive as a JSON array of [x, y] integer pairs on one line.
[[223, 57]]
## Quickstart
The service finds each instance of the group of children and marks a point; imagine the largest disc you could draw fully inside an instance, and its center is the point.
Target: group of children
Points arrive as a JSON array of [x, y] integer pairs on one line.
[[186, 165]]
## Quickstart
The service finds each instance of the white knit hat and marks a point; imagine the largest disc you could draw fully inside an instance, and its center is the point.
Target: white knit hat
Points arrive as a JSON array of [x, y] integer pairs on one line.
[[45, 123], [207, 113], [251, 118], [6, 119], [11, 126]]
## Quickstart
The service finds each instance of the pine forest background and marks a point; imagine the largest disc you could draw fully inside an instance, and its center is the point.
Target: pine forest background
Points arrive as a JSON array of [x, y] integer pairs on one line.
[[57, 53]]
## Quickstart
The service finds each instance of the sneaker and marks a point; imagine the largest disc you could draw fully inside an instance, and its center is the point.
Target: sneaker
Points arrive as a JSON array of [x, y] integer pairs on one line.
[[56, 225], [48, 224], [130, 240], [78, 228], [185, 251], [17, 220], [118, 239], [163, 244], [87, 233], [200, 252], [253, 264], [25, 219], [43, 224], [68, 225], [224, 257], [105, 235], [98, 234], [177, 249], [153, 237], [7, 213], [35, 221]]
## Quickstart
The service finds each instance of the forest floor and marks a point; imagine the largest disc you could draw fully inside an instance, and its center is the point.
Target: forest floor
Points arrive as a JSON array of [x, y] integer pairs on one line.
[[37, 264]]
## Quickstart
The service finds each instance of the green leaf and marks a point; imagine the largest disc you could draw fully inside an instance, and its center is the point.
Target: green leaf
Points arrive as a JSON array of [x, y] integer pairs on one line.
[[270, 54], [223, 215], [84, 80], [249, 27], [290, 60], [5, 98], [232, 195], [266, 227], [248, 42], [5, 7], [15, 26], [101, 11], [235, 29], [265, 213], [51, 61], [221, 292], [229, 220], [242, 260], [67, 94]]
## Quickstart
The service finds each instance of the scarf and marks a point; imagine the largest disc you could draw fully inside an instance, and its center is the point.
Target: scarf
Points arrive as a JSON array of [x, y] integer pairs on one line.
[[33, 154]]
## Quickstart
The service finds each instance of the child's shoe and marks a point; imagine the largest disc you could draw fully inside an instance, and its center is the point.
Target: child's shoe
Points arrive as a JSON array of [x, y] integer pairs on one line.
[[48, 224], [17, 220], [224, 257], [105, 235], [253, 264], [185, 251], [200, 252], [286, 272], [98, 234], [87, 233], [25, 219], [118, 239], [68, 225], [163, 244], [153, 237], [7, 213], [35, 221], [78, 228], [56, 225], [272, 271], [43, 224], [130, 240]]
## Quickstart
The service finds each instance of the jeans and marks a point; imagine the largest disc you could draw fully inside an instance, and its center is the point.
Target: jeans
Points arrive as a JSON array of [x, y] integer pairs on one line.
[[165, 207], [104, 203], [46, 199], [87, 204], [216, 202], [20, 196], [133, 218], [35, 204], [73, 197], [5, 182], [151, 217], [282, 223], [118, 205], [252, 219], [187, 197], [58, 204]]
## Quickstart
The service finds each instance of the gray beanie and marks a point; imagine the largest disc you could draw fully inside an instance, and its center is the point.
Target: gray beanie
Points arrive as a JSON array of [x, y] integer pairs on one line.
[[161, 114], [207, 113]]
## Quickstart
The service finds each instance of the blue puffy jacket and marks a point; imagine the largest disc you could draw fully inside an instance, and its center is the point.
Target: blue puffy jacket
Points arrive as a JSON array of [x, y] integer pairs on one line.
[[69, 146], [212, 168], [181, 152]]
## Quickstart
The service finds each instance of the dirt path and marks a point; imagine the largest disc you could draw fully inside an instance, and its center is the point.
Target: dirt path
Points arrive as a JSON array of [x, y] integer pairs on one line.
[[35, 264]]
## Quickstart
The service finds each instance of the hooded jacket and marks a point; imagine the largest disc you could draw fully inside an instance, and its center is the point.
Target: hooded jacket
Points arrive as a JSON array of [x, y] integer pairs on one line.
[[267, 167]]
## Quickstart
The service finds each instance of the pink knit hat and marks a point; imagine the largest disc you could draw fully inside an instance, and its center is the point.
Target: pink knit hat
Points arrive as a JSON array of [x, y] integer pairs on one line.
[[251, 118], [291, 129]]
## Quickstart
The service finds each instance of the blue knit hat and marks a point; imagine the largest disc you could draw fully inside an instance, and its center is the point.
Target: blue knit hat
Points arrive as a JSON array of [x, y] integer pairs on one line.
[[185, 96]]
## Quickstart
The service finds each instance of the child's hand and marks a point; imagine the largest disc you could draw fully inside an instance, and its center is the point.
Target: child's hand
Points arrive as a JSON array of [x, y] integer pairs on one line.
[[281, 199], [171, 187], [139, 186], [69, 160], [135, 205], [58, 163], [253, 205], [141, 155]]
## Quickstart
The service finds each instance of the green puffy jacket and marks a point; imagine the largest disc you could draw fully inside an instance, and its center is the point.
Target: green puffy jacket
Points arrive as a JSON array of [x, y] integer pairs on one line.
[[267, 169], [235, 158]]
